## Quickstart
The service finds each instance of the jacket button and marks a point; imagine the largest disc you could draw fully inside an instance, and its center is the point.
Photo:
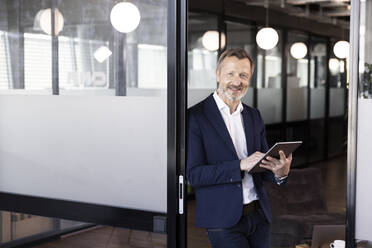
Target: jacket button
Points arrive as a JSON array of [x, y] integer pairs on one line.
[[239, 186]]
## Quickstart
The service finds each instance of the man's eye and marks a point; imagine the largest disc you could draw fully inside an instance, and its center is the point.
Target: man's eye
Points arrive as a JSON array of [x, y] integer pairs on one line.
[[244, 76], [230, 74]]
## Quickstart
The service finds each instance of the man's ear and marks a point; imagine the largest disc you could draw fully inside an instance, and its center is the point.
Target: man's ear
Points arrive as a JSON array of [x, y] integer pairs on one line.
[[217, 75]]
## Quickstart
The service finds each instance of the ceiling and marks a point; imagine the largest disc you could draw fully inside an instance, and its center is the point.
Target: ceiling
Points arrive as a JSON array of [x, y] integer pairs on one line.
[[328, 11]]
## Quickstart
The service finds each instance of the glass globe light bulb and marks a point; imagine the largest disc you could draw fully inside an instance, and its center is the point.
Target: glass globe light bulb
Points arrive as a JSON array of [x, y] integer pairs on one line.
[[125, 17]]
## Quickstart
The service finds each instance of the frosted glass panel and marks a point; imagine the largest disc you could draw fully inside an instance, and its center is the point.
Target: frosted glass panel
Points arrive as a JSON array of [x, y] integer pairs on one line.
[[202, 62], [296, 104], [100, 150], [248, 98], [270, 105], [317, 103], [337, 102], [195, 96]]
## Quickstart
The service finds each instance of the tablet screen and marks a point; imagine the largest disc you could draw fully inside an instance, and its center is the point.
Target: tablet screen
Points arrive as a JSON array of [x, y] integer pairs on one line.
[[286, 147]]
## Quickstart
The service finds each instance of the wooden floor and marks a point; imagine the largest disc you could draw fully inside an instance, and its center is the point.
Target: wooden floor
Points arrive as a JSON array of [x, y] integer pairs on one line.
[[333, 172]]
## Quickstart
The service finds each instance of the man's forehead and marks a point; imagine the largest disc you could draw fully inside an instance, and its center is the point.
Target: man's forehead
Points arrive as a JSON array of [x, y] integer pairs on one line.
[[233, 61]]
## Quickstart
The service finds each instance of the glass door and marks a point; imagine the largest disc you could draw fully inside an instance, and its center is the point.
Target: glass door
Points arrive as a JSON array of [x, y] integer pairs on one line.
[[92, 109]]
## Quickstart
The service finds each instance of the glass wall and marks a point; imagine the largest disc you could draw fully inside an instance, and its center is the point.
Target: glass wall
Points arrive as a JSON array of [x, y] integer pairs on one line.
[[337, 103], [306, 78], [318, 79], [269, 84], [243, 36], [297, 92], [203, 44], [26, 61], [77, 146], [297, 76]]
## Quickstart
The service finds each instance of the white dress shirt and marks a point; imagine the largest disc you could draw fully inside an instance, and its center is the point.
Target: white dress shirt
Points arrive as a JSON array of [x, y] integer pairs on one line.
[[234, 124]]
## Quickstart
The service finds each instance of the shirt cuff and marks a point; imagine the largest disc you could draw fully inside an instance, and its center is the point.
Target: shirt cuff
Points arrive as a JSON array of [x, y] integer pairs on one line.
[[280, 180]]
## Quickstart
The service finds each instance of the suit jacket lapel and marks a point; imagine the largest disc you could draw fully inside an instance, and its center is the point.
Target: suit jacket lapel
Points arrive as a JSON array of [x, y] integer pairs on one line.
[[249, 130], [214, 116]]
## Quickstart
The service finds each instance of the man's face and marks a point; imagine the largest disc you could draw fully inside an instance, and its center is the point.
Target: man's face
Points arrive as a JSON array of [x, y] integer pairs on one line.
[[233, 77]]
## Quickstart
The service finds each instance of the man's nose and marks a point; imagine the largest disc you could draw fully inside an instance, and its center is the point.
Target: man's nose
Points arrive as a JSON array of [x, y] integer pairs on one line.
[[236, 81]]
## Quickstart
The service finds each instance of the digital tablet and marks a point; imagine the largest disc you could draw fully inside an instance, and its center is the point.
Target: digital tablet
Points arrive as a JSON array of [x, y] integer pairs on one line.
[[286, 147]]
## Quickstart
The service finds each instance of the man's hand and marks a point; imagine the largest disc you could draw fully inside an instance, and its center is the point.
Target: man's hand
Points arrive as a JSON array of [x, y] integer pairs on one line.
[[280, 167], [248, 163]]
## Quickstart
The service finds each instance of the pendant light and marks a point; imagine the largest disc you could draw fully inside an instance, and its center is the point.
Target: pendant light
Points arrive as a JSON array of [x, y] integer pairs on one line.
[[43, 21], [334, 65], [267, 38], [210, 40], [125, 17], [341, 49], [298, 50]]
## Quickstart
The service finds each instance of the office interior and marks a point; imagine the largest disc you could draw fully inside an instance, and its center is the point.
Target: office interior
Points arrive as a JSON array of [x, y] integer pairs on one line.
[[93, 112]]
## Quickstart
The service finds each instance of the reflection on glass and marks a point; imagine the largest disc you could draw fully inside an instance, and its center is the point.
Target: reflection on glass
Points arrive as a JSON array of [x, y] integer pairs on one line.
[[18, 225], [297, 77], [337, 83], [318, 77], [318, 65], [269, 67], [202, 62], [25, 49], [211, 40], [243, 36], [95, 57], [269, 83], [92, 55]]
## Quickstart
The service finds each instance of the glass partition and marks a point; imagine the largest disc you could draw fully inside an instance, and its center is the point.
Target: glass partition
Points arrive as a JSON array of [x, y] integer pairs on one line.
[[337, 103], [297, 92], [269, 83], [297, 76], [318, 78], [91, 56], [243, 36], [203, 45], [80, 148], [337, 83], [26, 62]]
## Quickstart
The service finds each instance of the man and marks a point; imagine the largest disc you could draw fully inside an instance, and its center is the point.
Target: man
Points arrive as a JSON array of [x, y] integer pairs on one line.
[[225, 140]]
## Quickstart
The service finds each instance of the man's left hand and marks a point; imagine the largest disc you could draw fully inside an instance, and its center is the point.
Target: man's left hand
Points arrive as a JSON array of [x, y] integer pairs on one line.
[[280, 167]]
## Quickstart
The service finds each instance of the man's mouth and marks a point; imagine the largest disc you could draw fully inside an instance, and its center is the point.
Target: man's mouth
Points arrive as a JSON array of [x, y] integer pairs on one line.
[[234, 88]]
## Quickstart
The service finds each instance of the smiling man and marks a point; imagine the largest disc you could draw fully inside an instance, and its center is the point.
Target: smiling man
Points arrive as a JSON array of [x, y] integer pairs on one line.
[[225, 140]]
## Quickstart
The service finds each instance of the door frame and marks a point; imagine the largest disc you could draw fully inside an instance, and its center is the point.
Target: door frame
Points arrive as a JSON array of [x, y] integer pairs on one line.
[[177, 104]]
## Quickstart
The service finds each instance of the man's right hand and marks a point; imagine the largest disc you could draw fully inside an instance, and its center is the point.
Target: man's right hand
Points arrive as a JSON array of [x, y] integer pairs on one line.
[[248, 163]]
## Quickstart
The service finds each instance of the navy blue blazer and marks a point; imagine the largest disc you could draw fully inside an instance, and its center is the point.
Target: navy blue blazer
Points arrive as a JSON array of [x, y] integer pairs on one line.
[[213, 167]]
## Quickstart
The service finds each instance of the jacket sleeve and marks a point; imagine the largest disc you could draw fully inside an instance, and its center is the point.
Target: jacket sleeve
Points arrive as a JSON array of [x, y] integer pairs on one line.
[[199, 172]]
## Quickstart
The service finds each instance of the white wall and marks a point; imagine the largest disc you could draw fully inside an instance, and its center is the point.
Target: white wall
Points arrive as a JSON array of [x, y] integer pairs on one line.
[[102, 150]]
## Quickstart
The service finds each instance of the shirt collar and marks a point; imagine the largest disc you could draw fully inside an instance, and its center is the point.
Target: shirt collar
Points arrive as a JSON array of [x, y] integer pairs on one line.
[[222, 105]]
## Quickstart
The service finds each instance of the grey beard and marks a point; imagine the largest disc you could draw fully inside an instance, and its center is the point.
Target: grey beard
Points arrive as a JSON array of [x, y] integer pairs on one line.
[[223, 92]]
